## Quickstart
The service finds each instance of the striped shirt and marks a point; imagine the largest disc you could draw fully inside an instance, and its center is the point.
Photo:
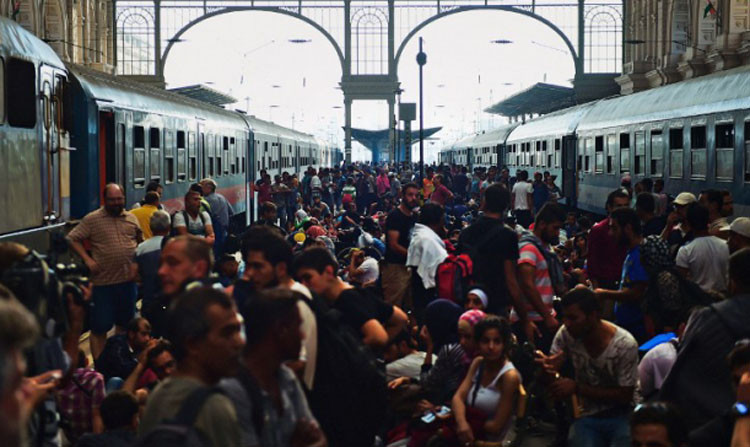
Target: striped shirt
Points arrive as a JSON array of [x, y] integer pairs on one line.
[[113, 241], [530, 254]]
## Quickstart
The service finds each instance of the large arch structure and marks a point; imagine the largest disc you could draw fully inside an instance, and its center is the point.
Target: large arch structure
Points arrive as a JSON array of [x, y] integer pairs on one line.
[[368, 36]]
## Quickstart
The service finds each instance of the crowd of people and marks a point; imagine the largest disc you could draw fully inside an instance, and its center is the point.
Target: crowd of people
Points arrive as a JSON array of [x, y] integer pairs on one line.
[[370, 306]]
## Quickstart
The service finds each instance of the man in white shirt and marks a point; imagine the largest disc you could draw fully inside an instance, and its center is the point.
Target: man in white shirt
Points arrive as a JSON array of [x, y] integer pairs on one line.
[[521, 199], [705, 260]]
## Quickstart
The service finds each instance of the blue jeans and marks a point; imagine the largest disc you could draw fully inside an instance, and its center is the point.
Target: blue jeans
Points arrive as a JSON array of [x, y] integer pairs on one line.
[[600, 432]]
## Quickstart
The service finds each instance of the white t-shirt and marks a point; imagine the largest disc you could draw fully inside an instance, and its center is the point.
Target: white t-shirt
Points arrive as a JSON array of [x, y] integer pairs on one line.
[[370, 270], [194, 226], [655, 366], [520, 191], [707, 259], [409, 366], [309, 350]]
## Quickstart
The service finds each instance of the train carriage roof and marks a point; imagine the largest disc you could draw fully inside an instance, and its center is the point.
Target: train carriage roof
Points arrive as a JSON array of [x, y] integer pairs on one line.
[[561, 122], [15, 41], [715, 93], [262, 127], [494, 136], [107, 89]]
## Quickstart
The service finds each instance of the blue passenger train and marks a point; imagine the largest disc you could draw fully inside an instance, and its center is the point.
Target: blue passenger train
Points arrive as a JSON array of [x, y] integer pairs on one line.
[[694, 135], [66, 131]]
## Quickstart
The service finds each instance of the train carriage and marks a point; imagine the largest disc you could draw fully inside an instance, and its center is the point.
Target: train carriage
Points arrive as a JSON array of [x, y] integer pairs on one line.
[[489, 146], [132, 134], [693, 135], [548, 143]]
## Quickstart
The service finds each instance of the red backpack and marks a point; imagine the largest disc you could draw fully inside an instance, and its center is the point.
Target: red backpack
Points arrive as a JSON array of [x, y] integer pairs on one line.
[[454, 277]]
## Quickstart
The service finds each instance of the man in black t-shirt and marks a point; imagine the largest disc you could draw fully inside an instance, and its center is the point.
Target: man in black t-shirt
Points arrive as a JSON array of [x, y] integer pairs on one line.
[[493, 248], [374, 320], [396, 277]]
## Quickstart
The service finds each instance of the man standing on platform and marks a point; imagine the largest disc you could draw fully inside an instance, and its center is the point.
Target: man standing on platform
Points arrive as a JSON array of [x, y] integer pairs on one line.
[[605, 255], [113, 234], [396, 277], [222, 212]]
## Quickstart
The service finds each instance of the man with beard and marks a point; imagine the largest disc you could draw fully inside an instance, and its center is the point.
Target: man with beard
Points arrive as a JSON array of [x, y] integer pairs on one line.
[[268, 261], [183, 259], [539, 272], [605, 360], [113, 235], [396, 277], [625, 227]]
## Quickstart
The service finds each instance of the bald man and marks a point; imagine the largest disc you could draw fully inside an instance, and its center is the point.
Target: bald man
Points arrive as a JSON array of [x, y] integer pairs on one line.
[[113, 235]]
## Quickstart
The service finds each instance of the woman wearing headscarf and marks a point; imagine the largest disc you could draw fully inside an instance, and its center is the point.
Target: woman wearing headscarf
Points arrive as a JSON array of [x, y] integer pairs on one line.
[[448, 331]]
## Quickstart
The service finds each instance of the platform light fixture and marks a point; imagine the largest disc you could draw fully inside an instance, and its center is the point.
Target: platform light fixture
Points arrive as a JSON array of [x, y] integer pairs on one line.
[[501, 41]]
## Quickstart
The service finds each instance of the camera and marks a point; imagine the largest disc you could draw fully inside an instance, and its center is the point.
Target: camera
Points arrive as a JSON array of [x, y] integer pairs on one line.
[[42, 285]]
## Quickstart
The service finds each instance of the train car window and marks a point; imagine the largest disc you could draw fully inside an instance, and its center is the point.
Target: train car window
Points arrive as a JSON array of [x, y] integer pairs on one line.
[[2, 90], [155, 153], [599, 154], [20, 86], [219, 155], [169, 151], [209, 147], [588, 158], [558, 150], [550, 155], [581, 152], [192, 157], [639, 167], [61, 115], [747, 151], [47, 105], [698, 151], [676, 146], [611, 151], [139, 157], [724, 137], [180, 143], [624, 152], [226, 160], [657, 153]]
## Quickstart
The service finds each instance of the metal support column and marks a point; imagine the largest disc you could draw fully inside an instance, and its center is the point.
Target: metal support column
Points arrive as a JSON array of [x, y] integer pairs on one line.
[[392, 130], [348, 130]]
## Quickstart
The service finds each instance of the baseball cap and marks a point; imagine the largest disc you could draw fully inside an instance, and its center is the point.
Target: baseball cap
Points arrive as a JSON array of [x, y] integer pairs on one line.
[[685, 198], [740, 225]]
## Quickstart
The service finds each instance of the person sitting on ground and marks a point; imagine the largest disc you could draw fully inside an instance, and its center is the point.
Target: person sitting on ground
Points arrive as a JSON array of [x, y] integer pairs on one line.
[[80, 399], [402, 357], [363, 270], [605, 361], [373, 320], [157, 361], [490, 387], [450, 333], [272, 409], [204, 327], [120, 355], [658, 424], [476, 298], [119, 412]]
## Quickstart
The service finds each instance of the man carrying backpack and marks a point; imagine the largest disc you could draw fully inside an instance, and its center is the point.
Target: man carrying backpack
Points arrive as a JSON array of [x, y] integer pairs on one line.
[[192, 220], [493, 249], [205, 330], [539, 271]]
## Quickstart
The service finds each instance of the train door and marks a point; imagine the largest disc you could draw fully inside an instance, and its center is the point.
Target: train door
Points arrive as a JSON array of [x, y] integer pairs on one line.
[[57, 186], [568, 167]]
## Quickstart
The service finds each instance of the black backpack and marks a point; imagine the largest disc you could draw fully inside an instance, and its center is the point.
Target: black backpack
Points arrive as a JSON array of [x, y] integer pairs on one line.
[[349, 394], [180, 431]]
